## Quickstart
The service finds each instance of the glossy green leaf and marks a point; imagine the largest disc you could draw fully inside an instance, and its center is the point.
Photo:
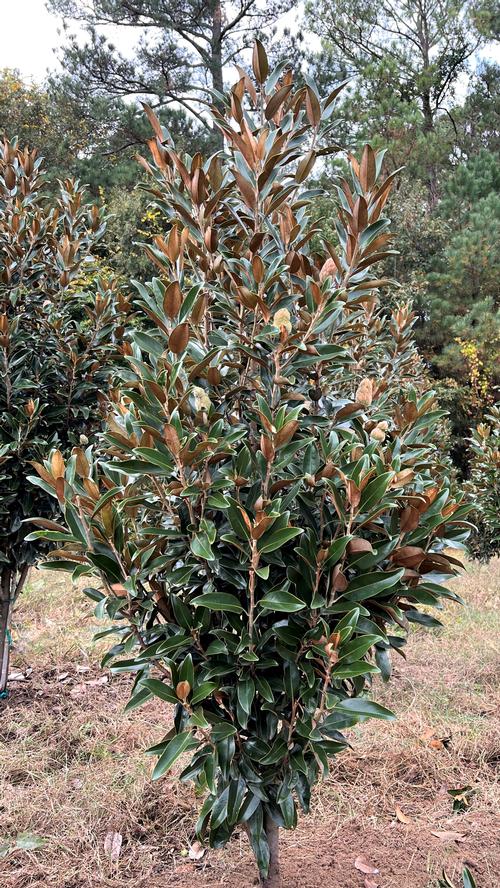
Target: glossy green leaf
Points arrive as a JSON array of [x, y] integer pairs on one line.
[[275, 539], [219, 601], [282, 601], [172, 751], [350, 670], [202, 691], [200, 546], [363, 708], [160, 689]]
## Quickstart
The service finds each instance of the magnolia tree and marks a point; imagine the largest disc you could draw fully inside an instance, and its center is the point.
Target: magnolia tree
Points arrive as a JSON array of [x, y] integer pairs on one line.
[[483, 486], [265, 520], [53, 346]]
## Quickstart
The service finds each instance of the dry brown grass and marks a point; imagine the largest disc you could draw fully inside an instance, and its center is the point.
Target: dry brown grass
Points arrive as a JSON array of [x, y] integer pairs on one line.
[[72, 765]]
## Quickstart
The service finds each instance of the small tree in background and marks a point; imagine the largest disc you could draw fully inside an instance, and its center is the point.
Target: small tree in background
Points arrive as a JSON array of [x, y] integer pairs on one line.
[[268, 512], [483, 486], [53, 350]]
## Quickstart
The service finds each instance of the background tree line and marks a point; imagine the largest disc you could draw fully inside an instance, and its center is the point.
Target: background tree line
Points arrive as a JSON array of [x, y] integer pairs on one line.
[[419, 79]]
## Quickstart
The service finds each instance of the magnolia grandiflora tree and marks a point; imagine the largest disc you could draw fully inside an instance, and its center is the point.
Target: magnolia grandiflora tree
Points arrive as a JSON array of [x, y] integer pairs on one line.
[[53, 348], [265, 522], [483, 486]]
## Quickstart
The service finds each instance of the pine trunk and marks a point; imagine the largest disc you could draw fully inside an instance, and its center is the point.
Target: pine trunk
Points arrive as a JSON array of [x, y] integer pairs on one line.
[[432, 175], [273, 879], [215, 65]]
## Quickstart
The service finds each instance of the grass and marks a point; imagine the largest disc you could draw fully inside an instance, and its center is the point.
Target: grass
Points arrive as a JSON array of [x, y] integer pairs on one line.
[[73, 768]]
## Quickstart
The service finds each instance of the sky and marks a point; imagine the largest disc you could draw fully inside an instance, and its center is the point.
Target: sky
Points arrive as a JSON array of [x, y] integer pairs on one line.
[[33, 50], [36, 51]]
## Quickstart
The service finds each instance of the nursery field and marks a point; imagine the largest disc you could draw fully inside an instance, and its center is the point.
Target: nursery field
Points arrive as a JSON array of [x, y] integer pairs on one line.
[[75, 789]]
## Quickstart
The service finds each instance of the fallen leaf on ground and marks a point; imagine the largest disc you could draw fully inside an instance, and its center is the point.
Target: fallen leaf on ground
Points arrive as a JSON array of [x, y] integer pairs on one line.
[[403, 818], [113, 845], [428, 734], [79, 689], [364, 866], [447, 835], [430, 739], [369, 883], [196, 851]]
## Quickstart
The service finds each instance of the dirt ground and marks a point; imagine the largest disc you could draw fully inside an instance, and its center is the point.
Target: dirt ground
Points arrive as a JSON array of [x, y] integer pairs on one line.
[[74, 776]]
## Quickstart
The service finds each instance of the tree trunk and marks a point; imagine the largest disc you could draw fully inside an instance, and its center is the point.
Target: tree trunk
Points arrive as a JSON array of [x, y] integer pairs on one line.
[[424, 29], [5, 614], [273, 839], [216, 47], [216, 60], [428, 129], [11, 586]]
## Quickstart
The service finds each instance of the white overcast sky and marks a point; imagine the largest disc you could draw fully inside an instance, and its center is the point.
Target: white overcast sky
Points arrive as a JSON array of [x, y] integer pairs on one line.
[[31, 34]]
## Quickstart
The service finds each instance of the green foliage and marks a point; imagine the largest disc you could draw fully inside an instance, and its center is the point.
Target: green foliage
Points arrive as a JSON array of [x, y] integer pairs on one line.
[[131, 221], [467, 880], [459, 334], [54, 345], [463, 297], [408, 58], [91, 137], [477, 118], [265, 519], [449, 263], [406, 63], [483, 486], [471, 182], [39, 118]]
